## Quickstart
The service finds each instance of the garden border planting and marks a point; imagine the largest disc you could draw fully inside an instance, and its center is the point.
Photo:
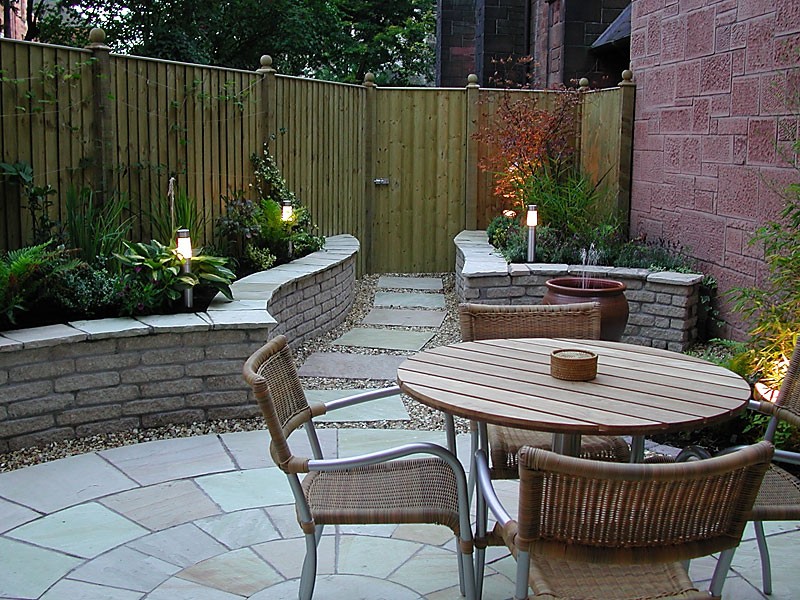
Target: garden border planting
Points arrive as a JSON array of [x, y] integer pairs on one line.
[[663, 305], [87, 377]]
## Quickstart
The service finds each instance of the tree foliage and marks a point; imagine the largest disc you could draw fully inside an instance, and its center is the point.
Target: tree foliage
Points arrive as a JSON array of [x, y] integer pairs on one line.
[[334, 39]]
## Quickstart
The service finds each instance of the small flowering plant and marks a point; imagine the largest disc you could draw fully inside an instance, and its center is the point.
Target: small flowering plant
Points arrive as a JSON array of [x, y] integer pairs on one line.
[[154, 278]]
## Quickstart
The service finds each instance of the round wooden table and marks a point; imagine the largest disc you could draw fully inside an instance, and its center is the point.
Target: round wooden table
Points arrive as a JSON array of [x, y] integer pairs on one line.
[[638, 390]]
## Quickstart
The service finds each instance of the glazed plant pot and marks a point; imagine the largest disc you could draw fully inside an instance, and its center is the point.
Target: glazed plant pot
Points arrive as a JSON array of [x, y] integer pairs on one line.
[[609, 293]]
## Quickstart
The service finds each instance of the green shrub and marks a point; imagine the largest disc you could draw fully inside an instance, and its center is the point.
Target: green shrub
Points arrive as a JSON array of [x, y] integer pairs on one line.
[[95, 229]]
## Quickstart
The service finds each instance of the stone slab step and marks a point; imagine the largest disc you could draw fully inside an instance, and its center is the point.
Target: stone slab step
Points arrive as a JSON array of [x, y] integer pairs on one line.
[[408, 300], [351, 366], [410, 283], [383, 409], [385, 339], [404, 317]]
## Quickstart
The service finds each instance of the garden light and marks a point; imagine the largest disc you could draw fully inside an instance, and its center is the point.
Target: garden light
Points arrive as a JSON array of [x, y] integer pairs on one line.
[[184, 244], [184, 250], [286, 210], [532, 220]]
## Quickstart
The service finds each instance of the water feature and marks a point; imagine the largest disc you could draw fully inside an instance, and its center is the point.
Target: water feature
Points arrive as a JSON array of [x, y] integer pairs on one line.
[[589, 257]]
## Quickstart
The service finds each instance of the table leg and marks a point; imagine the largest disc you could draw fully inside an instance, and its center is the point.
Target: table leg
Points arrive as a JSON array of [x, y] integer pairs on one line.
[[568, 444], [637, 449]]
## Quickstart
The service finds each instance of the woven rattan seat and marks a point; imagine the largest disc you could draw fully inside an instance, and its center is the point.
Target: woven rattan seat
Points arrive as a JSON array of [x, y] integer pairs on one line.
[[606, 531], [576, 321], [779, 497], [414, 483]]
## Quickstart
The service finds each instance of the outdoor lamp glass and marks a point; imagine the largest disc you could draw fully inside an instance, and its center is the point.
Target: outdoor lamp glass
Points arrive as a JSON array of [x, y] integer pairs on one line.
[[532, 220], [286, 210], [184, 244], [184, 250]]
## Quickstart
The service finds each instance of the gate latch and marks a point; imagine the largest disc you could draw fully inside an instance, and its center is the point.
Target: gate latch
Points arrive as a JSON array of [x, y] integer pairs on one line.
[[381, 181]]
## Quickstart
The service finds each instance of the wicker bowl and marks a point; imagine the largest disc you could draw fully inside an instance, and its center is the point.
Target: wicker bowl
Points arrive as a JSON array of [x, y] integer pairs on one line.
[[573, 365]]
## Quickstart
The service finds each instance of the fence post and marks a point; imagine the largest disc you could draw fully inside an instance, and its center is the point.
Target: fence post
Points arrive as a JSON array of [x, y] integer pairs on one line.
[[628, 89], [583, 87], [266, 98], [370, 117], [471, 160], [102, 128]]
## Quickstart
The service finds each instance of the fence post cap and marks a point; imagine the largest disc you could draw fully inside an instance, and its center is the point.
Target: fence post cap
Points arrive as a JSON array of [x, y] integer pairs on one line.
[[266, 64], [472, 80], [583, 83], [369, 79], [627, 77], [97, 38]]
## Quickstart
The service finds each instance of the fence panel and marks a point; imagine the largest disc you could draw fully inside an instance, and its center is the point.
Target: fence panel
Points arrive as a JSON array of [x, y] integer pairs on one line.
[[319, 146], [201, 124], [420, 146]]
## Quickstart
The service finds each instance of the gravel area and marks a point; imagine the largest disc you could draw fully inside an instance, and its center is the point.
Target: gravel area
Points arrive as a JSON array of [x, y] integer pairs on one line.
[[421, 416]]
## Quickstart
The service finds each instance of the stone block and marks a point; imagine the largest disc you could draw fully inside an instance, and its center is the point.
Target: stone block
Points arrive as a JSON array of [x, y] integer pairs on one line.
[[17, 427], [644, 320], [41, 438], [150, 342], [640, 296], [111, 362], [42, 370], [220, 398], [40, 406], [214, 367], [79, 416], [490, 281], [183, 385], [684, 301], [663, 298], [25, 391], [153, 373], [661, 322], [154, 405], [109, 395], [85, 381], [663, 311], [108, 426], [169, 356], [225, 382], [234, 412], [174, 417]]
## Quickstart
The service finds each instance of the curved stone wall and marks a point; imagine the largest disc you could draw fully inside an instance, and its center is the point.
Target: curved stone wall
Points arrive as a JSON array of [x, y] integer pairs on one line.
[[64, 381], [663, 305]]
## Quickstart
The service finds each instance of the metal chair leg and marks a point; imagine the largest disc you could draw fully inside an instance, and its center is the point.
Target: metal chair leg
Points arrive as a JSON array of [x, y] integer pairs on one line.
[[721, 571], [309, 574], [763, 551]]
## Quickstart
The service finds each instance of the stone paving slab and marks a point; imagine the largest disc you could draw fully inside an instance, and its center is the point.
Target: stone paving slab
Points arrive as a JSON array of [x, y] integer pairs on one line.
[[383, 409], [410, 283], [404, 317], [351, 366], [385, 339], [409, 300]]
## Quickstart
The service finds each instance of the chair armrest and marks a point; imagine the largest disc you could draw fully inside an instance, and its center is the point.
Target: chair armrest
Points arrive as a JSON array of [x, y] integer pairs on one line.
[[362, 397], [484, 482], [361, 460]]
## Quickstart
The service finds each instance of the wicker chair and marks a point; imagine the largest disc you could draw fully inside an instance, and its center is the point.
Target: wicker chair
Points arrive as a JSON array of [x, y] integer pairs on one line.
[[376, 488], [779, 498], [589, 529], [578, 321]]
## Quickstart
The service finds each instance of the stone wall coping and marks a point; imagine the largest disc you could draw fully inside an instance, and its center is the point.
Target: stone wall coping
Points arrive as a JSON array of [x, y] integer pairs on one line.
[[252, 295], [481, 260]]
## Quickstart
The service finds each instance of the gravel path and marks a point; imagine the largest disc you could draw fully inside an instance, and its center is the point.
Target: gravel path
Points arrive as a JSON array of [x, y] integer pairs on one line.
[[421, 416]]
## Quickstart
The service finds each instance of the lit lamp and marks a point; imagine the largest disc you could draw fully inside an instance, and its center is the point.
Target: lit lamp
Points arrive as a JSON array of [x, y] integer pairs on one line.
[[184, 250], [532, 221], [286, 210]]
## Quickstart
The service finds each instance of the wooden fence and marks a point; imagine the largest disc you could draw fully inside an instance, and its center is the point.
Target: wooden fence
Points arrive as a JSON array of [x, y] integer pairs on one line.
[[395, 167]]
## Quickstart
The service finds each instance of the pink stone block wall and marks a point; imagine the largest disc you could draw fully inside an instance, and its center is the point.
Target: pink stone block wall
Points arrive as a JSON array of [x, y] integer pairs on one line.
[[717, 109]]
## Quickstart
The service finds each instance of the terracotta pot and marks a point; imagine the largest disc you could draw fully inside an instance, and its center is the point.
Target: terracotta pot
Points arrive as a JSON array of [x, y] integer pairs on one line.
[[609, 293]]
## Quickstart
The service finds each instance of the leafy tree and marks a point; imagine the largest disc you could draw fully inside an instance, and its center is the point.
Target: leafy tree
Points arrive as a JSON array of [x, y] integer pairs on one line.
[[335, 39]]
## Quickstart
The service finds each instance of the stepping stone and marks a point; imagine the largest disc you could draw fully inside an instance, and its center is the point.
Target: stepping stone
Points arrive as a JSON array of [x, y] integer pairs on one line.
[[405, 317], [410, 283], [351, 366], [385, 339], [409, 300], [383, 409]]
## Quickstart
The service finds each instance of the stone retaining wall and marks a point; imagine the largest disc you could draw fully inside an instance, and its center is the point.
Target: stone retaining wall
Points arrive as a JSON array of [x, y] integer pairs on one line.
[[663, 305], [65, 381]]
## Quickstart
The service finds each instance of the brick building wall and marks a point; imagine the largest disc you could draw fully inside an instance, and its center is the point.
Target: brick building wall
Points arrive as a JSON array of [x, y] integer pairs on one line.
[[717, 105], [455, 42]]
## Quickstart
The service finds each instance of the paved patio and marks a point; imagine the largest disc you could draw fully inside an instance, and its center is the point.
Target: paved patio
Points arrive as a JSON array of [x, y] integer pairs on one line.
[[210, 518]]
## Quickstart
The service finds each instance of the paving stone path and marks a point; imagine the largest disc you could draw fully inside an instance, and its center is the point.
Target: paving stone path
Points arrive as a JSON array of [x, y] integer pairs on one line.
[[400, 303]]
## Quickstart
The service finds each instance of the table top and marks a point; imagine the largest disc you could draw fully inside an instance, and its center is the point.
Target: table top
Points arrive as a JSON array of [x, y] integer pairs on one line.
[[637, 391]]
